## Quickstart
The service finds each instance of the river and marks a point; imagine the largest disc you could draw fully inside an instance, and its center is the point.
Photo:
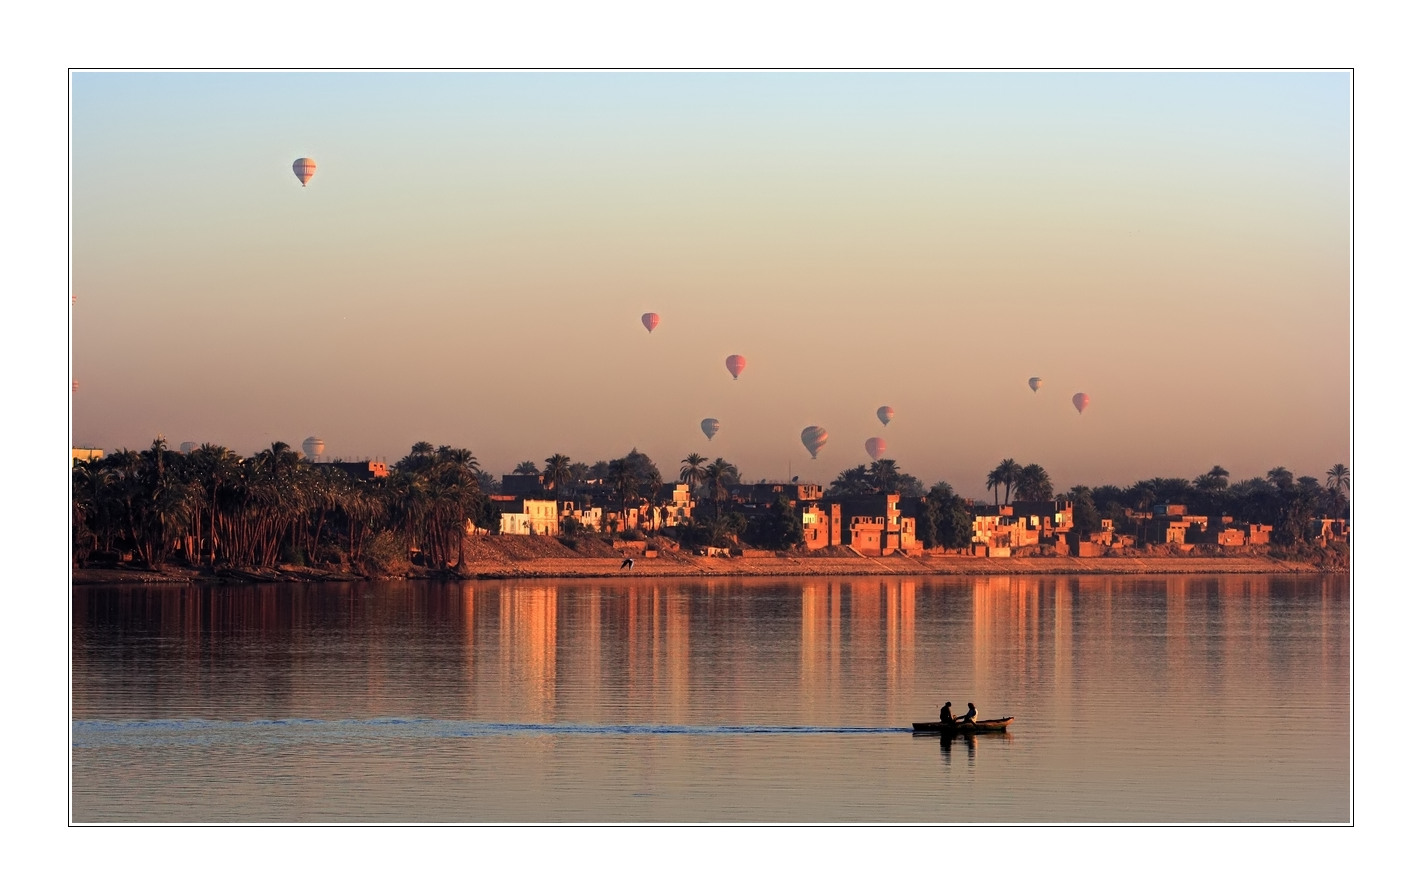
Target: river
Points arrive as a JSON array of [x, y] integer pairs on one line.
[[1178, 699]]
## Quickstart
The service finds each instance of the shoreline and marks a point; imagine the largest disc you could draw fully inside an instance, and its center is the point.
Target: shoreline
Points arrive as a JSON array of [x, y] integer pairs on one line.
[[687, 566]]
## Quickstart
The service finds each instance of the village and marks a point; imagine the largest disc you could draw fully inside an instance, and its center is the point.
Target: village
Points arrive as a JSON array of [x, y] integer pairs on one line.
[[876, 525]]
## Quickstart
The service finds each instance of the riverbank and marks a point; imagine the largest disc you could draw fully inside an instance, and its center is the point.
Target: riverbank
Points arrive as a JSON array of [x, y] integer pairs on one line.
[[492, 561]]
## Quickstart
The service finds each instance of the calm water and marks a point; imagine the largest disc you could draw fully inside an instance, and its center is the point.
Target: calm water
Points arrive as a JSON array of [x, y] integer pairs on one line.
[[1138, 699]]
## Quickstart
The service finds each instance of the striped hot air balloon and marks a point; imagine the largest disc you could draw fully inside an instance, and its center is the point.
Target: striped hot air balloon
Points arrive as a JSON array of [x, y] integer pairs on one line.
[[814, 438], [303, 168]]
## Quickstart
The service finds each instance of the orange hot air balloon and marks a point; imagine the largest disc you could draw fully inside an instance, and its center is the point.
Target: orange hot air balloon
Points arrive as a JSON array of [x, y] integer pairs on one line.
[[74, 387], [876, 447], [885, 414], [1080, 399], [1035, 382], [735, 363], [303, 168], [814, 438], [650, 321]]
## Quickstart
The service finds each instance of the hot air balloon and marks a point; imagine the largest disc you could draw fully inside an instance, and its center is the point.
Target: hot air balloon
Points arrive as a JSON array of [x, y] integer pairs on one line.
[[735, 363], [1035, 382], [885, 413], [814, 438], [1080, 399], [650, 321], [303, 168], [876, 447], [710, 427], [188, 447], [313, 447], [74, 387]]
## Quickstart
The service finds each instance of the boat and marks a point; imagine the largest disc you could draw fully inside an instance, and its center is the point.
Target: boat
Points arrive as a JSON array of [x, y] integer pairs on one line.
[[982, 725]]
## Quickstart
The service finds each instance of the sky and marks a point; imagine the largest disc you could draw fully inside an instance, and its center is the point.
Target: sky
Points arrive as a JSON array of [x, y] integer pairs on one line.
[[471, 260]]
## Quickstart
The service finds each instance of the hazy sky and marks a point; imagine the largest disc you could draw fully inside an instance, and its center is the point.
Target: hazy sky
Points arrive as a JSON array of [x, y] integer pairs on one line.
[[470, 262]]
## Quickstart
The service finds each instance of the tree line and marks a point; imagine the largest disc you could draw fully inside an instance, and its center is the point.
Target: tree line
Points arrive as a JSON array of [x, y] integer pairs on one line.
[[214, 508]]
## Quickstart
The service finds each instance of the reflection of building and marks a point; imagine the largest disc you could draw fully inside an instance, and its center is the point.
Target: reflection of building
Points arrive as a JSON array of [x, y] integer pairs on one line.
[[528, 643]]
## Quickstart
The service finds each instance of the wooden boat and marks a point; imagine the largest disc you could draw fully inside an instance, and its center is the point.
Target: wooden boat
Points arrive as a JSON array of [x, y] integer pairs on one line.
[[982, 725]]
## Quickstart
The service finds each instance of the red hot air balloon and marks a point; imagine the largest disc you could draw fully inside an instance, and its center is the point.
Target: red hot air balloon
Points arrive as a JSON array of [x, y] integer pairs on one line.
[[1080, 399], [876, 447], [303, 168], [814, 438], [735, 363], [650, 321], [885, 414]]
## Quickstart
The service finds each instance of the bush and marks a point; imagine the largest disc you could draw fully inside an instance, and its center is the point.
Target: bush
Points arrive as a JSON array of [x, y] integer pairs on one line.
[[387, 554]]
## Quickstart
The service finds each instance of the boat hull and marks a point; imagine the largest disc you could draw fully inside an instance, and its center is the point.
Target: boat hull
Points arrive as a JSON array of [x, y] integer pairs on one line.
[[989, 725]]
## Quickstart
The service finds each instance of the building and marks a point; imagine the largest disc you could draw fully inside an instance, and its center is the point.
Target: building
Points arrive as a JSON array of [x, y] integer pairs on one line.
[[85, 453], [873, 525], [363, 469], [674, 506], [820, 525], [522, 485], [525, 515]]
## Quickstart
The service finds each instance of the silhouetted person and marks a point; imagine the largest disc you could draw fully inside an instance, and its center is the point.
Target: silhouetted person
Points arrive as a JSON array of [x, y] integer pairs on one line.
[[626, 563], [971, 716], [945, 714]]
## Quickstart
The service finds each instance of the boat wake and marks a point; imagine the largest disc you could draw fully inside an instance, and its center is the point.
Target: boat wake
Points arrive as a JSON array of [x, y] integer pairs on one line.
[[197, 731]]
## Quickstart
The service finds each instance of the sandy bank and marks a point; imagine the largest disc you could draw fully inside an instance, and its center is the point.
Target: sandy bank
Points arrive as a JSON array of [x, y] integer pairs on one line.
[[702, 566]]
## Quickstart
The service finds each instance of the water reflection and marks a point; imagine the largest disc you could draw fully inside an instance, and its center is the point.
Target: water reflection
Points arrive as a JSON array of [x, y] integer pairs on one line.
[[1106, 676], [676, 651]]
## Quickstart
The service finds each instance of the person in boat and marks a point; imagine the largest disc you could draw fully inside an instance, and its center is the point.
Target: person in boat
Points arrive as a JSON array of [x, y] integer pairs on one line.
[[972, 715], [945, 714]]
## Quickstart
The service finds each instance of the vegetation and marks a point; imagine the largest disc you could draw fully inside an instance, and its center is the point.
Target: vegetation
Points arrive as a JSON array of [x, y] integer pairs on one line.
[[216, 509]]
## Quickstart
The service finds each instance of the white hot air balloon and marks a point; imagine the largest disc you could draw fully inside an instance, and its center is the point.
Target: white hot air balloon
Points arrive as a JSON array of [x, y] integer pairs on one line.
[[710, 427], [313, 447]]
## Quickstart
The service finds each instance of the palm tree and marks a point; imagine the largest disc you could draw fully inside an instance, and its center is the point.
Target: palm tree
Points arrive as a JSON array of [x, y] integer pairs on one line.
[[693, 472], [1033, 483], [1006, 475], [527, 467], [885, 475], [1338, 477], [622, 478], [994, 481], [719, 475], [851, 482], [1281, 478], [1216, 480], [558, 473]]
